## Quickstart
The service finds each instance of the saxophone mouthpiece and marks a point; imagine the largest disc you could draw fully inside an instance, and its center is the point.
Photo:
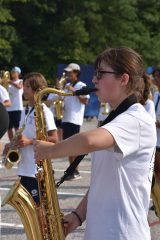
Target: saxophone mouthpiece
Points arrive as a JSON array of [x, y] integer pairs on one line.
[[85, 91]]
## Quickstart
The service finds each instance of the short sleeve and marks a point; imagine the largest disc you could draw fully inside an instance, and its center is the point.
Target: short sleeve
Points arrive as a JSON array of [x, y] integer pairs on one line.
[[52, 96], [4, 95], [80, 85], [50, 123], [125, 130]]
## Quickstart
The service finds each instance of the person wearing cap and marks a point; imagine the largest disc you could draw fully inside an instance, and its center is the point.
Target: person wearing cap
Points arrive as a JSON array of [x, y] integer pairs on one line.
[[15, 90], [74, 107]]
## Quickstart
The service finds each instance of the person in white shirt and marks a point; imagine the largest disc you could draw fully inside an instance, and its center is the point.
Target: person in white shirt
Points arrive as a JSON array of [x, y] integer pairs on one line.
[[4, 123], [15, 91], [51, 100], [117, 202], [4, 97], [157, 109], [74, 108], [27, 167], [146, 97]]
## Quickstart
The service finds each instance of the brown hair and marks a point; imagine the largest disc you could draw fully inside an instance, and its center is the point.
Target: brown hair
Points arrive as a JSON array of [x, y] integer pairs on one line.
[[124, 60], [36, 81], [145, 92]]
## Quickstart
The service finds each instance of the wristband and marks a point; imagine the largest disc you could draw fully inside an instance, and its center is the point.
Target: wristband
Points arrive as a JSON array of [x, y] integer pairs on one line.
[[77, 215]]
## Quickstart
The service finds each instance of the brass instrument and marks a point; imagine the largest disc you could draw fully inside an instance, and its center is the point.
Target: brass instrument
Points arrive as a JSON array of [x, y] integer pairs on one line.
[[106, 108], [4, 78], [13, 155], [20, 199], [58, 103], [49, 225]]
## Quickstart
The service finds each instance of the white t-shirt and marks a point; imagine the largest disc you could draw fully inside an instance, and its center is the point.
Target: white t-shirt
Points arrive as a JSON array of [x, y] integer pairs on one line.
[[157, 116], [119, 194], [73, 108], [52, 97], [15, 95], [149, 106], [27, 166], [4, 96]]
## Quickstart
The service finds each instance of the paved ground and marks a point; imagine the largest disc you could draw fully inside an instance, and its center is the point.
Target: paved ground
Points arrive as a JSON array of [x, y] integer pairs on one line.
[[70, 193]]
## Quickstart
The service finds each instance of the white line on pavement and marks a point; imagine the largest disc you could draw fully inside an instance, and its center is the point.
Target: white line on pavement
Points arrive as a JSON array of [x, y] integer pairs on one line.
[[11, 225], [59, 193], [56, 170]]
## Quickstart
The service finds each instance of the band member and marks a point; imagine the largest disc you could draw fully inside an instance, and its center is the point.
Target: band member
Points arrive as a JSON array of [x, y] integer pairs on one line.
[[15, 90], [157, 109], [4, 97], [27, 167], [146, 97], [73, 109], [50, 102], [116, 204], [4, 122]]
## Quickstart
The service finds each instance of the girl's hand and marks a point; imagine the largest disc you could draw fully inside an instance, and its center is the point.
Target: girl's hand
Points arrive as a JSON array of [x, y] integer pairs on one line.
[[42, 150], [70, 223]]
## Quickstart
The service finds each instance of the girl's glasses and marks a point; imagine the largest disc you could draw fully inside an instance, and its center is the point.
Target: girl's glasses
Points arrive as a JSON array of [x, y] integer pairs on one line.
[[99, 73]]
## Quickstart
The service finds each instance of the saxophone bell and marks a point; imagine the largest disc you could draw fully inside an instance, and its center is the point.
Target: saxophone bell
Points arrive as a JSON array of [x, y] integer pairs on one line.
[[12, 156]]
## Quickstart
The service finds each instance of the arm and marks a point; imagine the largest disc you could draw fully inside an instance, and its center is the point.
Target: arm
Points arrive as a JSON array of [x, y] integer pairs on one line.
[[7, 103], [17, 85], [24, 141], [71, 222], [82, 143], [52, 136], [83, 100]]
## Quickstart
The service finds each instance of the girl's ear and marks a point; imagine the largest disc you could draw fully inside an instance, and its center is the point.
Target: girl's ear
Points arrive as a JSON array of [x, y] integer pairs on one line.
[[124, 79]]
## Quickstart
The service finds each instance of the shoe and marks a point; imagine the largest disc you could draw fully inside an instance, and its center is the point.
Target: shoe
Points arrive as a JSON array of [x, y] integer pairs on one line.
[[75, 176]]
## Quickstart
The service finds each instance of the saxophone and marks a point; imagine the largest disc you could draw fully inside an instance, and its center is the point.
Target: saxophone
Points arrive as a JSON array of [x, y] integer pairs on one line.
[[13, 156], [58, 103], [49, 225]]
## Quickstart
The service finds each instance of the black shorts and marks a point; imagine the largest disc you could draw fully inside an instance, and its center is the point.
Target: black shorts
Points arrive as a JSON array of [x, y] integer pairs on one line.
[[58, 123], [31, 185], [69, 129], [14, 119]]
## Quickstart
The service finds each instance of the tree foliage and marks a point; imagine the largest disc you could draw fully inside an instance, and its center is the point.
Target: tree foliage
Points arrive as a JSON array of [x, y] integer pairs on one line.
[[39, 34]]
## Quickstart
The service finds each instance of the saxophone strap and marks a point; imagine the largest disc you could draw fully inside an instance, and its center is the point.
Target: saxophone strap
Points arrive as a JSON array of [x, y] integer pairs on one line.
[[128, 102]]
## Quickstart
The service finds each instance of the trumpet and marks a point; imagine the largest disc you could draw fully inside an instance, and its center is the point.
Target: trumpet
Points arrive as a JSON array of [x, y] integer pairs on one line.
[[4, 78], [13, 155]]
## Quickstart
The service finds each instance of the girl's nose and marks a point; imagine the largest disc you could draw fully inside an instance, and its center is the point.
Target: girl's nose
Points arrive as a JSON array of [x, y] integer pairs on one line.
[[94, 80]]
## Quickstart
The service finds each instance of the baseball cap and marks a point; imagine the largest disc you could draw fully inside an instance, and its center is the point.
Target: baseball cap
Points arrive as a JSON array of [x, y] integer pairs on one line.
[[16, 69], [72, 67]]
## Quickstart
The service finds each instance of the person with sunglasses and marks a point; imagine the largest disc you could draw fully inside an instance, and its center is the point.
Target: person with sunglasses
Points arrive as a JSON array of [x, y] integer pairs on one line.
[[122, 154]]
